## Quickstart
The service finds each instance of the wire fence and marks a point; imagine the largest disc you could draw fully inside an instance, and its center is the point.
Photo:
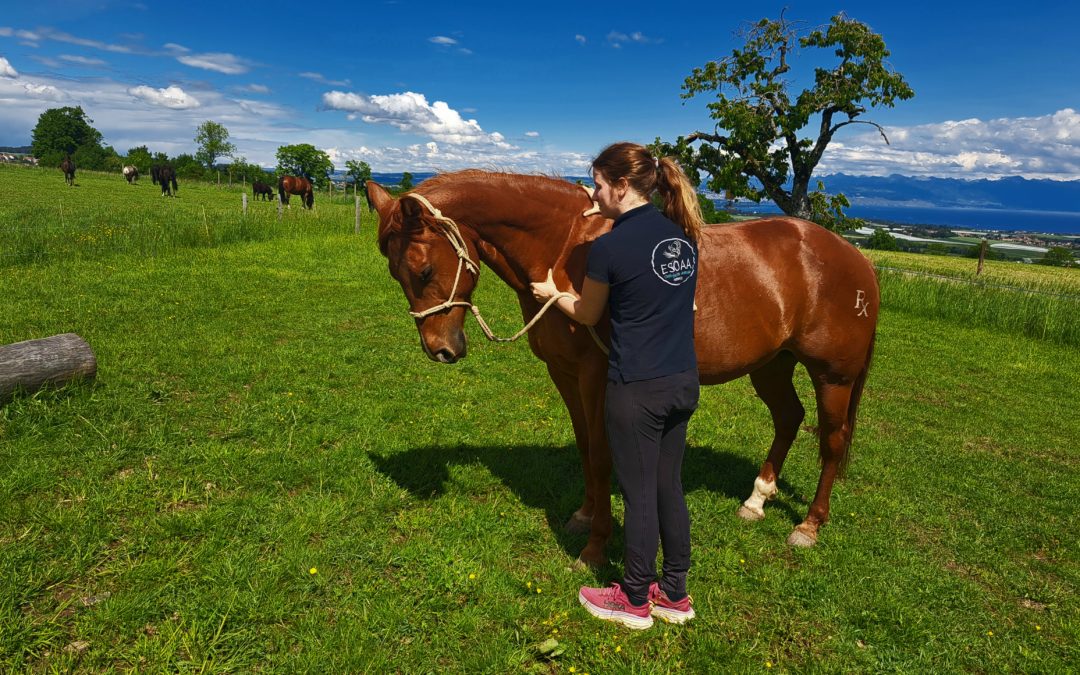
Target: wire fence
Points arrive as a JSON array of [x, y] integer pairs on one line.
[[977, 283]]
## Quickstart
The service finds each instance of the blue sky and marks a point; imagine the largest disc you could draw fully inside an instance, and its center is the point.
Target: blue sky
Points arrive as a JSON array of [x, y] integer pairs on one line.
[[534, 88]]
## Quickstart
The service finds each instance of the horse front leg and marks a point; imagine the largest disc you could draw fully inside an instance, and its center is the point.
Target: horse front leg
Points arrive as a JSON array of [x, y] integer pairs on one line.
[[584, 399], [592, 383], [581, 520]]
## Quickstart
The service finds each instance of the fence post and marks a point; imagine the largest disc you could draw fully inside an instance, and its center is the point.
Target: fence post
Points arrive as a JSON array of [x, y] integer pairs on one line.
[[357, 214], [982, 256], [243, 198]]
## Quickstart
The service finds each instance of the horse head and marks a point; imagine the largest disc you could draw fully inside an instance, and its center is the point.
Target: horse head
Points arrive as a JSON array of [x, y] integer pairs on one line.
[[437, 277]]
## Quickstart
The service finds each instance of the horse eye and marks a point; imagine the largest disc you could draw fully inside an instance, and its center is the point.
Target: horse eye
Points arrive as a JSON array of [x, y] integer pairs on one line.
[[425, 275]]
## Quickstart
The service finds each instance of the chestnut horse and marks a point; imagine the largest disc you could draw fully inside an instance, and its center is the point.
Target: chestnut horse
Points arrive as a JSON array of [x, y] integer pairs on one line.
[[770, 293], [296, 185]]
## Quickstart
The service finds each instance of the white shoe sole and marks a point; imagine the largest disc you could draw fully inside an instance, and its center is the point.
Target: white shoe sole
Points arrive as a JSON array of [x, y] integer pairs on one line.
[[628, 620], [672, 616]]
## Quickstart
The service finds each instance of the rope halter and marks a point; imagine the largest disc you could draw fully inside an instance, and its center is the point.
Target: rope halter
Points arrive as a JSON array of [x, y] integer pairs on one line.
[[451, 231]]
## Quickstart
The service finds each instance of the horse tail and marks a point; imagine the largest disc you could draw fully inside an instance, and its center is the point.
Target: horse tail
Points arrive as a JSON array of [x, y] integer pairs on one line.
[[853, 402], [175, 187]]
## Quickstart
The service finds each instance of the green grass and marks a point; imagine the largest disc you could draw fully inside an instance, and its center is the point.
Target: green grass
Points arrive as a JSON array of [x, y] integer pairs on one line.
[[263, 408]]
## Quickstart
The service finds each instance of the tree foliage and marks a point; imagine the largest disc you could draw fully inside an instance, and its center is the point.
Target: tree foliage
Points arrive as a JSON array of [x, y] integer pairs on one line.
[[140, 158], [360, 172], [213, 140], [305, 160], [1058, 256], [755, 150], [881, 240], [64, 131], [406, 181]]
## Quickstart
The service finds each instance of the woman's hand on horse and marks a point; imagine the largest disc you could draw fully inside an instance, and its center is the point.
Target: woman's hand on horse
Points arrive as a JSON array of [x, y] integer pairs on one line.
[[544, 290]]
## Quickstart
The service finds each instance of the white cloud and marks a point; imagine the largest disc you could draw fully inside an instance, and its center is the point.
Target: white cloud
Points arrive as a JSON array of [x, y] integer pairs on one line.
[[617, 39], [532, 134], [82, 60], [170, 97], [1034, 147], [255, 88], [6, 70], [410, 112], [318, 77], [60, 36], [43, 91], [580, 38], [219, 62], [443, 40]]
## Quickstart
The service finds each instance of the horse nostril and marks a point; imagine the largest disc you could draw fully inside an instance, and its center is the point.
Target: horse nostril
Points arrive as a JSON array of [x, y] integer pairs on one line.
[[446, 356]]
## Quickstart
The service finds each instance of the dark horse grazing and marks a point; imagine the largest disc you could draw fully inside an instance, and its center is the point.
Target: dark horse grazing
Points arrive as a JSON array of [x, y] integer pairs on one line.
[[163, 175], [68, 167], [771, 293], [296, 185], [260, 189]]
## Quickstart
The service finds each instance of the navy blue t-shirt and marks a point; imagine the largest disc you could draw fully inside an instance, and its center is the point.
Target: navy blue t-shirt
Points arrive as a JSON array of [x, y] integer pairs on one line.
[[650, 266]]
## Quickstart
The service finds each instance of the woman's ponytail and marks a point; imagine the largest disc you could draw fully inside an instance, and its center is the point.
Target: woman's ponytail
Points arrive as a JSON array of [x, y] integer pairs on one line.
[[647, 174], [680, 198]]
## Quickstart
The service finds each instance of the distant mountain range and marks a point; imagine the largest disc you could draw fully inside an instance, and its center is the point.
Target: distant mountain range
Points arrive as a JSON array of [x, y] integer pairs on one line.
[[1012, 193]]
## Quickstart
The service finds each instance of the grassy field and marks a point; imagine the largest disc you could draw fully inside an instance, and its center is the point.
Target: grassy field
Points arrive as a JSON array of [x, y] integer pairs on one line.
[[268, 475]]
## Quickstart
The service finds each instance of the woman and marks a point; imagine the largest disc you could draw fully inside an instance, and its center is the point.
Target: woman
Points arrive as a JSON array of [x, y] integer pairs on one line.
[[644, 272]]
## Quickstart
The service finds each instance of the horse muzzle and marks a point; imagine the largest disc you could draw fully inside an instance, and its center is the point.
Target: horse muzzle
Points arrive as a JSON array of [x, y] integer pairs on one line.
[[445, 351]]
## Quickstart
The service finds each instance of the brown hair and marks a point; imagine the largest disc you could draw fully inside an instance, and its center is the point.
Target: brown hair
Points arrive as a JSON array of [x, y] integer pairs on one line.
[[647, 174]]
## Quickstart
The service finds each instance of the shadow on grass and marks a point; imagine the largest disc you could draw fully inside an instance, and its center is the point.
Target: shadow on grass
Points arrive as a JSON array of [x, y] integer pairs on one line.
[[550, 478]]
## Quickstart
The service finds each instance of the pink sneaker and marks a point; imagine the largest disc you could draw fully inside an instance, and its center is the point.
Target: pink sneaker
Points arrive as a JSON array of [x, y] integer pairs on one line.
[[612, 604], [669, 610]]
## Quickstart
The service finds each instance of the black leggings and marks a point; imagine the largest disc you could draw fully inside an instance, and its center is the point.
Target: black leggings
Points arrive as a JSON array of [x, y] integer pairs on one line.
[[646, 428]]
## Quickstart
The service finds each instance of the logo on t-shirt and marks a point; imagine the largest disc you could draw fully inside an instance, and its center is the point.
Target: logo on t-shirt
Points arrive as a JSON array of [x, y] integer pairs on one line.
[[674, 261]]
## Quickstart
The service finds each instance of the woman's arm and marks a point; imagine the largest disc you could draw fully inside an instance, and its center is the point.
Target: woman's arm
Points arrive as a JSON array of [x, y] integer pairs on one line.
[[586, 309]]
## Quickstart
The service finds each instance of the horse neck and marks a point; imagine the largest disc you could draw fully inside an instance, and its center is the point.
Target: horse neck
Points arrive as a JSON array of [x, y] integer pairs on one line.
[[523, 225]]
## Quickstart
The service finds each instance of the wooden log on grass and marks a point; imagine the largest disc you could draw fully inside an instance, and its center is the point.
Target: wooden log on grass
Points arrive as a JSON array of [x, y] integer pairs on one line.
[[28, 366]]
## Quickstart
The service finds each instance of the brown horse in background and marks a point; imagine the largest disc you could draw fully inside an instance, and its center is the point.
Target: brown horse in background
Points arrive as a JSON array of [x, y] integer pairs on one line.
[[770, 293], [68, 167], [296, 185]]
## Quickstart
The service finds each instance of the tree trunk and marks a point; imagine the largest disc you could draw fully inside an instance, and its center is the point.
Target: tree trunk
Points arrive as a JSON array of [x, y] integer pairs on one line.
[[30, 365]]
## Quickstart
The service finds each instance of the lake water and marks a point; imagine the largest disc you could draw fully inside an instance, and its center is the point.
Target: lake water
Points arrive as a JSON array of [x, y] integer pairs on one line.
[[1050, 222]]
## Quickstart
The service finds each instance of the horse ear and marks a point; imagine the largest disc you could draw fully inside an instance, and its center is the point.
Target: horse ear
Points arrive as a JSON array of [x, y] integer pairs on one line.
[[411, 211], [379, 198]]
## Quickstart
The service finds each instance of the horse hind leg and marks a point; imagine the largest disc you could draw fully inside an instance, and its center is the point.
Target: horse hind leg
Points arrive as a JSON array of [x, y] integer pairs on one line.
[[773, 385], [835, 419]]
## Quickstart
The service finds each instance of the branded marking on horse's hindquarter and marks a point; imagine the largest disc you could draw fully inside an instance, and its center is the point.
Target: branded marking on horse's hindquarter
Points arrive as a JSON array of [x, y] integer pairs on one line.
[[861, 304]]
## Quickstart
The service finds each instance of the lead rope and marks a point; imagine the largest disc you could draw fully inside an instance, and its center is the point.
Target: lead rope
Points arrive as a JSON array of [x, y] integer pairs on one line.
[[453, 233]]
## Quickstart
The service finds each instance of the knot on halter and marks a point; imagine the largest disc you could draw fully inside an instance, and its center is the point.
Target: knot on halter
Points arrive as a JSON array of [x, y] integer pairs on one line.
[[453, 233]]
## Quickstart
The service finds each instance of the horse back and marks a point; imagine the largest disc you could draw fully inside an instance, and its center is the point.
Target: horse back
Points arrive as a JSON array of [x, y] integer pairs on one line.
[[779, 284]]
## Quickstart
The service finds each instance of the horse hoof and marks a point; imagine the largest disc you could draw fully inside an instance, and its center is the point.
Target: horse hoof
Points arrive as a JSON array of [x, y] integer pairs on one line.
[[747, 513], [589, 561], [801, 539], [578, 524]]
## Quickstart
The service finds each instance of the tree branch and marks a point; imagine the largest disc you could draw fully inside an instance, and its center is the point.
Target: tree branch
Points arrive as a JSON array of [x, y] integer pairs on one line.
[[874, 124]]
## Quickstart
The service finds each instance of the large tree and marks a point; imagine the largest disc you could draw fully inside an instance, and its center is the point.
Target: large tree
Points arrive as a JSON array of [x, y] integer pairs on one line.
[[305, 160], [755, 150], [213, 140], [67, 131]]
